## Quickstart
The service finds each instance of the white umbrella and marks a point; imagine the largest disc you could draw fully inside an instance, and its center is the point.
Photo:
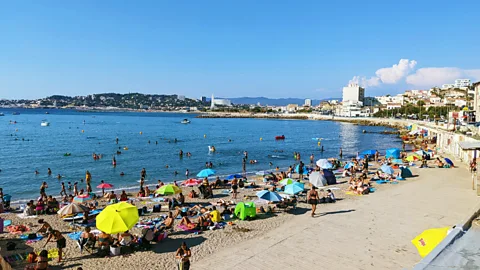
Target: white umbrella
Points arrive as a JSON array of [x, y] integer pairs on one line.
[[317, 179], [72, 208], [324, 164]]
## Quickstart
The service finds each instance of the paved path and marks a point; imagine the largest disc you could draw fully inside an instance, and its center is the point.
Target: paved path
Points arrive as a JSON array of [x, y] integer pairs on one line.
[[373, 232]]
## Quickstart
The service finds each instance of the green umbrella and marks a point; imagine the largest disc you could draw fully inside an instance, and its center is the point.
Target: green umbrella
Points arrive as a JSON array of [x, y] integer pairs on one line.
[[168, 190]]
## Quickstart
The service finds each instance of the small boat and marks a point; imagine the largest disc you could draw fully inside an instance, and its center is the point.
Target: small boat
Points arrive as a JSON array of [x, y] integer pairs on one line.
[[280, 137], [185, 121], [1, 114], [45, 123], [15, 113], [47, 113]]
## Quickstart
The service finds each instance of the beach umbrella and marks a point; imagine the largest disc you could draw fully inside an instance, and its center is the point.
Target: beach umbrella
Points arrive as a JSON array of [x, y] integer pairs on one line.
[[317, 179], [287, 181], [294, 188], [449, 161], [168, 190], [324, 164], [83, 198], [387, 169], [206, 173], [420, 152], [191, 182], [429, 239], [269, 196], [233, 176], [349, 165], [368, 152], [397, 161], [105, 185], [72, 208], [117, 218], [393, 153]]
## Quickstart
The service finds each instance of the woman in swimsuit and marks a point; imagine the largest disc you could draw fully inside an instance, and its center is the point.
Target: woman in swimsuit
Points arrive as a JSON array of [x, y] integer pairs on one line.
[[42, 260], [61, 242], [234, 187], [312, 199], [42, 189], [184, 254]]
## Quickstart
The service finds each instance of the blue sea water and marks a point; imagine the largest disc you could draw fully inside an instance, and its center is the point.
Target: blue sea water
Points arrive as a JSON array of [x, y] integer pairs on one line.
[[26, 146]]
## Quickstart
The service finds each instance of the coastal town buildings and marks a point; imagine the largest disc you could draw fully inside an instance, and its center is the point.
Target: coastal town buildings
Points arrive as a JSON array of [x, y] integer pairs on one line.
[[459, 83], [308, 102]]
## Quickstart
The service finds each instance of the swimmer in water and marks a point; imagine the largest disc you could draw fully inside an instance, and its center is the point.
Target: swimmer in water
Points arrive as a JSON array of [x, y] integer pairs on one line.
[[36, 172], [59, 177], [114, 161], [122, 174], [270, 163], [175, 173], [166, 166], [156, 142]]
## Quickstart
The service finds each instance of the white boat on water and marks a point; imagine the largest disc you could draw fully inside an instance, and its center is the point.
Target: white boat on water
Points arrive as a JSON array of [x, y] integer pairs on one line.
[[45, 123], [185, 121], [1, 114]]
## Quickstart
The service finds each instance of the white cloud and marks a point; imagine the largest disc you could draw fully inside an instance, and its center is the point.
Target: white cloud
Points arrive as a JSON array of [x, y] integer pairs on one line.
[[436, 76], [389, 75]]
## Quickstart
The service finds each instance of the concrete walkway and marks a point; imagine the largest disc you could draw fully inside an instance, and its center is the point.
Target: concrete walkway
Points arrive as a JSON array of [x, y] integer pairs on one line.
[[369, 232]]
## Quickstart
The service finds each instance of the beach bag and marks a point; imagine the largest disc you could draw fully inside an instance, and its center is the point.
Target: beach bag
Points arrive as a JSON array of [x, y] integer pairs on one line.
[[156, 208], [115, 250], [32, 236]]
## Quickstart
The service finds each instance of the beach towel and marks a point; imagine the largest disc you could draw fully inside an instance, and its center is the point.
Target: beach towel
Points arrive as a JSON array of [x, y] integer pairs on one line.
[[7, 222], [381, 182], [23, 216], [75, 235], [186, 229], [19, 229], [372, 189], [352, 193], [30, 241]]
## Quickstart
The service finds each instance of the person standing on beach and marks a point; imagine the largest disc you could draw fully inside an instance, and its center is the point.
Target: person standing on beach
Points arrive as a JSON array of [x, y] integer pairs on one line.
[[75, 189], [301, 170], [187, 172], [42, 189], [63, 191], [143, 173], [365, 162], [244, 165], [234, 187], [312, 199], [376, 155], [312, 157], [184, 254], [341, 153], [61, 242]]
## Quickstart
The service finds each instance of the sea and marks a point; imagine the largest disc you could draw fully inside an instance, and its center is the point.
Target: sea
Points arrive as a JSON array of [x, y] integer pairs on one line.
[[154, 141]]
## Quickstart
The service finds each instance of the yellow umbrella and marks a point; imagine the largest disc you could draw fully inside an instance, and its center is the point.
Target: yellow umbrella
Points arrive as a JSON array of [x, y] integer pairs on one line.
[[429, 239], [117, 218], [168, 190]]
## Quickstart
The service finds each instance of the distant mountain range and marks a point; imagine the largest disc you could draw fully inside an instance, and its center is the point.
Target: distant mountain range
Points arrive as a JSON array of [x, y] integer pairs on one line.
[[275, 101]]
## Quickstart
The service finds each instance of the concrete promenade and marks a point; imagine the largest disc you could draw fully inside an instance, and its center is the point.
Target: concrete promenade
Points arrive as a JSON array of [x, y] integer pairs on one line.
[[366, 232]]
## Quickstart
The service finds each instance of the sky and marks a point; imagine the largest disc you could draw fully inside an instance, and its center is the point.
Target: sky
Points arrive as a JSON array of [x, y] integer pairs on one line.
[[270, 48]]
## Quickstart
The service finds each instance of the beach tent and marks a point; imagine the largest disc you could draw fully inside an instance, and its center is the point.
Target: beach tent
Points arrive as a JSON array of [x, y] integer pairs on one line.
[[244, 210], [397, 161], [330, 176], [405, 172], [324, 164], [449, 161], [317, 179], [393, 153]]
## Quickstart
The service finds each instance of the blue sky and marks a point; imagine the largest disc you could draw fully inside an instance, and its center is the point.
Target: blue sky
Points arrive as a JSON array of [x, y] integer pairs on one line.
[[234, 48]]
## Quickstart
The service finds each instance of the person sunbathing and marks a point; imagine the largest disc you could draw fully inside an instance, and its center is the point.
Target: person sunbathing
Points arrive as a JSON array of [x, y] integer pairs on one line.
[[125, 239], [439, 163], [104, 240], [86, 238], [186, 222]]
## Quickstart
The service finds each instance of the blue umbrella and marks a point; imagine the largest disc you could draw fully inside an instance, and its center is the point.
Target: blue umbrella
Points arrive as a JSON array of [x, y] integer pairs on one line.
[[232, 176], [349, 165], [449, 161], [294, 188], [206, 173], [387, 169], [269, 196]]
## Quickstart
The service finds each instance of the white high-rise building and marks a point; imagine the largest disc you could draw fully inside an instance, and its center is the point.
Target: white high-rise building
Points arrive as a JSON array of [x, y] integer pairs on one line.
[[212, 105], [308, 102], [353, 92]]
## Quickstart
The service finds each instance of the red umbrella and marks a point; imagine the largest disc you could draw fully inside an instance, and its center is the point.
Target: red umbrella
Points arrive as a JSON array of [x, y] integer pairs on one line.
[[191, 182], [105, 185]]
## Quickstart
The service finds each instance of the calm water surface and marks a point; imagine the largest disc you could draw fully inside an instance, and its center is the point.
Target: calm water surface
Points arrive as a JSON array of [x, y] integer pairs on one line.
[[26, 146]]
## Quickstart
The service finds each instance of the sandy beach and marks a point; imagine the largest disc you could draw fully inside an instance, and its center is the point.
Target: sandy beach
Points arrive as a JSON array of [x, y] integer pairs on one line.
[[358, 232]]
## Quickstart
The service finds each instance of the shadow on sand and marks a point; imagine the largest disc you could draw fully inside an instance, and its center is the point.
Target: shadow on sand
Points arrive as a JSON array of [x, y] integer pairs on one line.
[[336, 212]]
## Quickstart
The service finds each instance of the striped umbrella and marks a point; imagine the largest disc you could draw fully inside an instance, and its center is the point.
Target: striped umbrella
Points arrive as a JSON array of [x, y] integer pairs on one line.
[[83, 198]]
